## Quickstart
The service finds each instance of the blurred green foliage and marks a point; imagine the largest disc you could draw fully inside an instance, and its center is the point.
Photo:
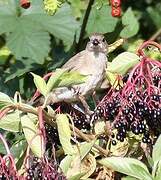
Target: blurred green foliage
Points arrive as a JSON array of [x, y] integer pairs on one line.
[[42, 37]]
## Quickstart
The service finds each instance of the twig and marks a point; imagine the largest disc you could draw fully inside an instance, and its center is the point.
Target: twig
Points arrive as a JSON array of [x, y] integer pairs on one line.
[[155, 35], [50, 120], [85, 20]]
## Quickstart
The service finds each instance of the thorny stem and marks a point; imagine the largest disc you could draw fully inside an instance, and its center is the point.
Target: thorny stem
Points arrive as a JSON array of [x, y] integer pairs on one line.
[[50, 119]]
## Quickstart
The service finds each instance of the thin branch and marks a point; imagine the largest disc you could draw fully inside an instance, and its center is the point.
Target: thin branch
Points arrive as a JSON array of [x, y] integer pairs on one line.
[[85, 20], [50, 120], [155, 35]]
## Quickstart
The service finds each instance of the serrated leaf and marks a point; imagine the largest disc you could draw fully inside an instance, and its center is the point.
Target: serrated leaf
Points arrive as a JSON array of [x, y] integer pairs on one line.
[[123, 62], [71, 78], [11, 122], [5, 99], [62, 24], [128, 166], [54, 79], [156, 154], [31, 134], [64, 133], [18, 149], [131, 25], [100, 20], [28, 41], [40, 84]]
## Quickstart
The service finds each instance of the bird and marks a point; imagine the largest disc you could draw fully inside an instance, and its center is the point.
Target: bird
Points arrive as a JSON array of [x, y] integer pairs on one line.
[[91, 62]]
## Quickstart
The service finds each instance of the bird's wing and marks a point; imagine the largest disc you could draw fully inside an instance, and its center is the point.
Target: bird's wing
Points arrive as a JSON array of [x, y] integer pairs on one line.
[[75, 63]]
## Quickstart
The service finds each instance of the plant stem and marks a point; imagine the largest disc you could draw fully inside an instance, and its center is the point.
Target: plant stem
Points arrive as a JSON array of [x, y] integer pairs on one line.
[[50, 120], [85, 20]]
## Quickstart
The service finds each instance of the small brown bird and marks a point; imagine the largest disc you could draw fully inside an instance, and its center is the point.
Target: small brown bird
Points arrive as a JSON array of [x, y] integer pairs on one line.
[[91, 62]]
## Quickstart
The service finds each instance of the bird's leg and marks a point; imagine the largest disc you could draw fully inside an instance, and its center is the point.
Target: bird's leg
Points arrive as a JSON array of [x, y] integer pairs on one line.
[[85, 105]]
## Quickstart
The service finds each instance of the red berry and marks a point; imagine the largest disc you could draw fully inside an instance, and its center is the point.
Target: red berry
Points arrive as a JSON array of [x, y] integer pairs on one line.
[[25, 4], [116, 12]]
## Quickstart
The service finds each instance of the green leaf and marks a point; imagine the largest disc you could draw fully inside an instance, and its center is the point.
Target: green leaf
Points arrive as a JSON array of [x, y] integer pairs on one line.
[[54, 79], [155, 15], [123, 62], [8, 19], [156, 154], [64, 133], [20, 68], [131, 24], [77, 176], [2, 148], [18, 149], [11, 122], [128, 166], [40, 84], [32, 136], [158, 171], [85, 149], [101, 21], [71, 78], [62, 24], [5, 99], [66, 163], [129, 178], [28, 41]]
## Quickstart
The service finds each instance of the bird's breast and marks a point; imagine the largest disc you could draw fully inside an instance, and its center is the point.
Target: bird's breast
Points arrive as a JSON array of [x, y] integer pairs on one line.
[[94, 64]]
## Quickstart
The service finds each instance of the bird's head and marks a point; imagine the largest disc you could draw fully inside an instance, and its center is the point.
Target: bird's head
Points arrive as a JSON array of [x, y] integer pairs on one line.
[[97, 43]]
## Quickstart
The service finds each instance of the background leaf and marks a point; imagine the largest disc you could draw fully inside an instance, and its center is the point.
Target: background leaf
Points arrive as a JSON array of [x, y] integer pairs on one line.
[[101, 21], [131, 24]]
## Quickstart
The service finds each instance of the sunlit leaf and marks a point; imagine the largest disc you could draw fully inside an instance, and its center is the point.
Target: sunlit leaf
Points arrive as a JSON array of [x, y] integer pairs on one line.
[[71, 78], [123, 62], [128, 166], [158, 171], [32, 136], [5, 99], [156, 154], [11, 122], [64, 133], [40, 84], [54, 80]]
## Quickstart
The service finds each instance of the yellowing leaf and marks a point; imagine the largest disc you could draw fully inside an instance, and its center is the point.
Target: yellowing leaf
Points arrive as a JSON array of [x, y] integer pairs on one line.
[[64, 133], [31, 134], [11, 122]]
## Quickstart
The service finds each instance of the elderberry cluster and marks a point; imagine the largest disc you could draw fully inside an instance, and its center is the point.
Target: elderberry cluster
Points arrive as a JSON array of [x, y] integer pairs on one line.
[[136, 107], [38, 169]]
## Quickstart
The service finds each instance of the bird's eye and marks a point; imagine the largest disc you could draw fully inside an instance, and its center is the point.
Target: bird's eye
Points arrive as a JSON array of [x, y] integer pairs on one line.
[[103, 40]]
